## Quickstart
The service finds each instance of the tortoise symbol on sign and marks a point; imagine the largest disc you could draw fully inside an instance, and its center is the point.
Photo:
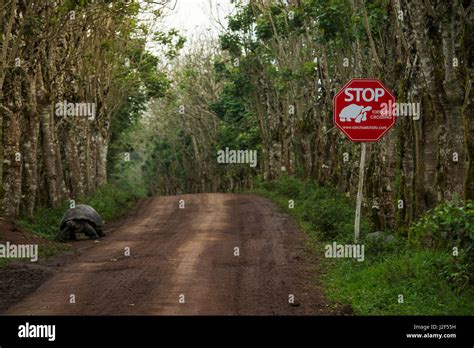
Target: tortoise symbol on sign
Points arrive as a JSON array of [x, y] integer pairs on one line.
[[354, 111]]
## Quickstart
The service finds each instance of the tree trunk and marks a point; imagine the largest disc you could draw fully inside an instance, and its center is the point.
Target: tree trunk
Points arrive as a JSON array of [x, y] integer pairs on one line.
[[30, 148], [12, 164], [468, 108], [49, 155]]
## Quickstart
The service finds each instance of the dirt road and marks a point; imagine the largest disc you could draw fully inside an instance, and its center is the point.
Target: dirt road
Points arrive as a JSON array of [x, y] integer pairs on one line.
[[190, 252]]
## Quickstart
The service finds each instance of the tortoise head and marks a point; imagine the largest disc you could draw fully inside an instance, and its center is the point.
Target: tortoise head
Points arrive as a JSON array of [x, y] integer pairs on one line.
[[66, 230]]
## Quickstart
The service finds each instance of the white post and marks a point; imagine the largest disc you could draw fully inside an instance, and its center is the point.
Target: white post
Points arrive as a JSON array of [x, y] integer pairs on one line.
[[359, 193]]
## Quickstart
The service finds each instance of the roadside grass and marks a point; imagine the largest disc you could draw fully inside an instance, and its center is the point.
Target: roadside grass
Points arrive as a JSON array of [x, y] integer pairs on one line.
[[374, 286], [111, 201], [4, 261]]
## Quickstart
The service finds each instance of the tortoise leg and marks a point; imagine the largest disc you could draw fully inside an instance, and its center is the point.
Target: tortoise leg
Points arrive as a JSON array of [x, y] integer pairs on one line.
[[72, 234], [66, 234], [89, 231], [100, 231]]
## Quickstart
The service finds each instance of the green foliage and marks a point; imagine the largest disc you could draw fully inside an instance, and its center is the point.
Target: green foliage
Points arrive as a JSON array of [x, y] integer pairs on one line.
[[172, 40], [380, 249], [459, 271], [32, 26], [378, 15], [231, 43], [238, 129], [325, 211], [285, 186], [147, 83], [449, 224], [242, 20], [334, 219], [110, 201], [165, 164], [332, 18], [70, 5], [372, 287], [154, 83]]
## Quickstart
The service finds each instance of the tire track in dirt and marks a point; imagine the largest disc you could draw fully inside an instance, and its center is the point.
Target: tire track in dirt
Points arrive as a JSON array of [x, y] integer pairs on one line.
[[191, 252]]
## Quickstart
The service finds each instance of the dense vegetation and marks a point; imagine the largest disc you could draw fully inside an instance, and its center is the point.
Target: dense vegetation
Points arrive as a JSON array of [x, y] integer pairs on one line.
[[432, 281]]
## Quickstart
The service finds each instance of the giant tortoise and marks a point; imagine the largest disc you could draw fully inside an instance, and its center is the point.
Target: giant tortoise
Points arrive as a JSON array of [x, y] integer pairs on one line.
[[81, 219]]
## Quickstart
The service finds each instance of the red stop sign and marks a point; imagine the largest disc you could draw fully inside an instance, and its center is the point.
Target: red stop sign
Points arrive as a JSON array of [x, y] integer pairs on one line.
[[363, 110]]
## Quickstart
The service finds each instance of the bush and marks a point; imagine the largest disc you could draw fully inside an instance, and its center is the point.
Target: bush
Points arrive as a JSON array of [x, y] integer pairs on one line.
[[378, 248], [458, 271], [331, 218], [286, 186], [449, 225]]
